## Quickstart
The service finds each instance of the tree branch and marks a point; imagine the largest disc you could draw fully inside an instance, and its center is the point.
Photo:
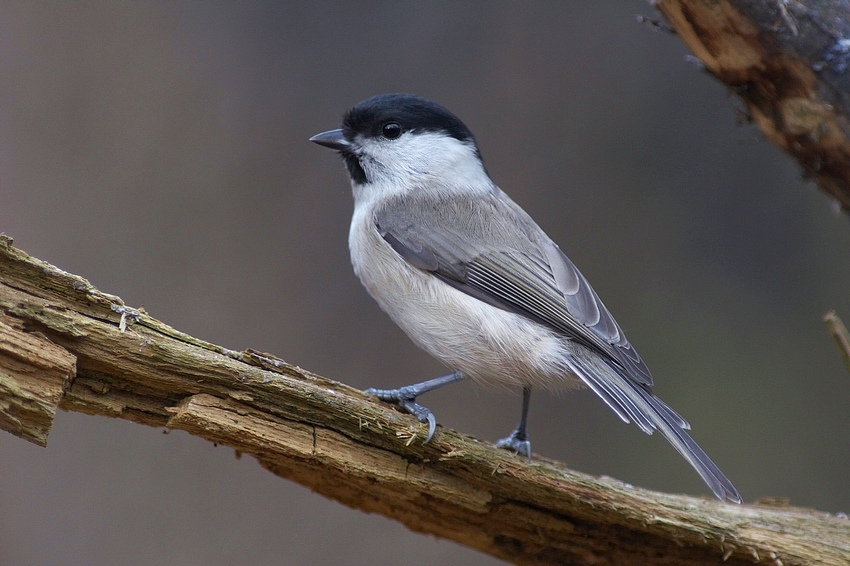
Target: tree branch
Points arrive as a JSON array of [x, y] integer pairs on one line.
[[788, 61], [839, 333], [65, 344]]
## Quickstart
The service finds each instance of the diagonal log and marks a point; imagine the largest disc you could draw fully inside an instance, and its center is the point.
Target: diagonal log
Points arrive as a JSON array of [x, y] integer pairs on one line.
[[65, 344]]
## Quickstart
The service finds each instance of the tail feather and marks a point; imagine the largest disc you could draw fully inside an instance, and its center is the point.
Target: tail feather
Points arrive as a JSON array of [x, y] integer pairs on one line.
[[635, 403], [690, 450]]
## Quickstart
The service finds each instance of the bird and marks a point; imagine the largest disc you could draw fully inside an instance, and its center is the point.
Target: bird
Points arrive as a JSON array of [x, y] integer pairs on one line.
[[472, 279]]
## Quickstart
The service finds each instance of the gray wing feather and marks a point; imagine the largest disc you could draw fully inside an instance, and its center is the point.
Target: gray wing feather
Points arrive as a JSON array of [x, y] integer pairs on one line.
[[492, 250], [592, 313]]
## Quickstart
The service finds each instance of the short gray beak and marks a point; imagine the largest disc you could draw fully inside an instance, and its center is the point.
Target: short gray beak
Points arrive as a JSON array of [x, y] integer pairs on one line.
[[332, 139]]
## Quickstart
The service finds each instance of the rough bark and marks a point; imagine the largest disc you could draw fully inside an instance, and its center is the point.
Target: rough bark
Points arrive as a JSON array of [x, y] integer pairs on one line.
[[789, 62], [65, 344]]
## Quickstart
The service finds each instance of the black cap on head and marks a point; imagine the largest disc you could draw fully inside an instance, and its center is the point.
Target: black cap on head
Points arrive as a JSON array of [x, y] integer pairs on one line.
[[411, 112]]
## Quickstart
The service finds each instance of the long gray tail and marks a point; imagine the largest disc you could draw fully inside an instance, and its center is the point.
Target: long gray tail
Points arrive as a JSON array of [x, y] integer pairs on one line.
[[635, 403]]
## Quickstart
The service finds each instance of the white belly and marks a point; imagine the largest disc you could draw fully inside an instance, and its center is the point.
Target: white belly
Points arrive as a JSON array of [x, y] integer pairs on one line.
[[485, 343]]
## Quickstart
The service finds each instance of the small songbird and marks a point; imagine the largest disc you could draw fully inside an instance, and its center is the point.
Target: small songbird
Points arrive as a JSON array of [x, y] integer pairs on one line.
[[476, 283]]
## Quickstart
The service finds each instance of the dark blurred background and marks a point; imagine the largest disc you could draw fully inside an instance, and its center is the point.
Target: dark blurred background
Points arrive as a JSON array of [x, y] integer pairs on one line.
[[160, 150]]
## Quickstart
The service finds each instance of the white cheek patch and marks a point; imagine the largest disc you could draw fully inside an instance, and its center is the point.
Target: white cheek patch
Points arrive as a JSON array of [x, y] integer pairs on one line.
[[414, 155]]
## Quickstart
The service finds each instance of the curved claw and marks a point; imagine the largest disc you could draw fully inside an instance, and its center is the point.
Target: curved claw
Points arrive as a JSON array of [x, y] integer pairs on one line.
[[406, 402], [432, 426], [422, 414]]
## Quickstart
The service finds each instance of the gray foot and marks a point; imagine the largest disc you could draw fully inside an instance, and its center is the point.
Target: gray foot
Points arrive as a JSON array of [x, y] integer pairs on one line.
[[517, 442], [405, 397]]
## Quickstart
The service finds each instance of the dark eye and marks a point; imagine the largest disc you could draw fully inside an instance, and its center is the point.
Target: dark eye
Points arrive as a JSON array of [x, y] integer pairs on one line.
[[391, 130]]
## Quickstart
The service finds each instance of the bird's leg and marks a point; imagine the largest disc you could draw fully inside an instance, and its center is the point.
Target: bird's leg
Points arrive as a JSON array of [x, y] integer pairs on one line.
[[518, 440], [405, 397]]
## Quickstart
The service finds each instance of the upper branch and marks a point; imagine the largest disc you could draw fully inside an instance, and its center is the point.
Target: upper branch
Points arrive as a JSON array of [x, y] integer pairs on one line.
[[789, 61]]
